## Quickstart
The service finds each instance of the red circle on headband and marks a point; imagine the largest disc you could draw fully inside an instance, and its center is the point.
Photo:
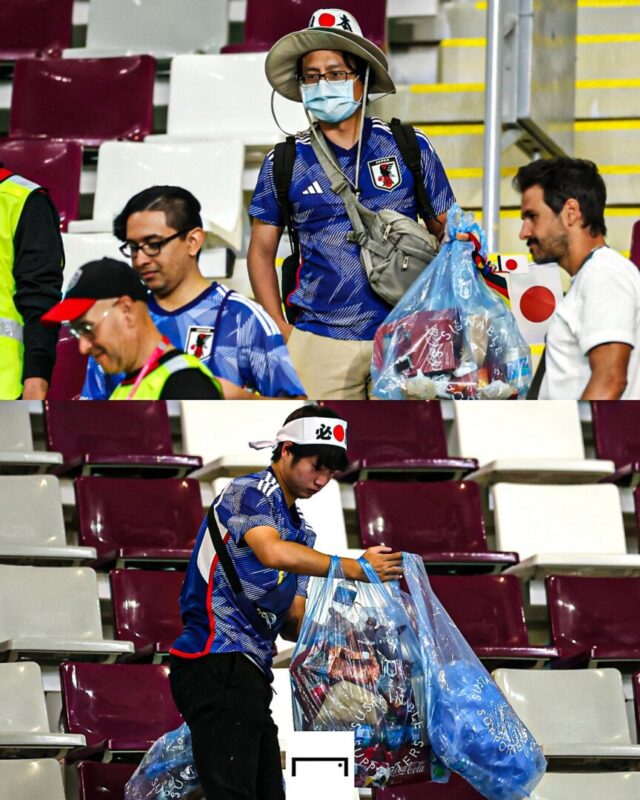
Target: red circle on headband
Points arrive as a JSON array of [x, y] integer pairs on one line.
[[537, 304], [326, 20], [338, 433]]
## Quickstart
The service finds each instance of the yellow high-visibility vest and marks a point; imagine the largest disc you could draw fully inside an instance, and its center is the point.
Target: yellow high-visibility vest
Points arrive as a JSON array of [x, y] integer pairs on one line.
[[14, 192], [151, 386]]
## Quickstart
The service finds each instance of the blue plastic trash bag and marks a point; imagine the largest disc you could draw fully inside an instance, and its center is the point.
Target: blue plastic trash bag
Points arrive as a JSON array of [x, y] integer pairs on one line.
[[357, 667], [450, 336], [167, 771], [471, 727]]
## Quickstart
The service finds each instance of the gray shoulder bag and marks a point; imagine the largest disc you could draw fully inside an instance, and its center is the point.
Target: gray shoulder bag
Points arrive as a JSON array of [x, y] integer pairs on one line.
[[394, 249]]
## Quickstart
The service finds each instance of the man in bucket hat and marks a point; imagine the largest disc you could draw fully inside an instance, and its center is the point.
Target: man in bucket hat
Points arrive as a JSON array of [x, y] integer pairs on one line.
[[246, 583], [330, 67]]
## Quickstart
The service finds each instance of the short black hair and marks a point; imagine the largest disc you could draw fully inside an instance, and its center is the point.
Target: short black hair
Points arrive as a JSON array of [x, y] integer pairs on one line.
[[562, 178], [330, 456], [180, 207]]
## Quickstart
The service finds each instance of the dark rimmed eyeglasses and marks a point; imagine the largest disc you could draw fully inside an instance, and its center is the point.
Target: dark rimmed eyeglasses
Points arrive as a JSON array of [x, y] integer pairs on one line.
[[332, 76], [131, 249]]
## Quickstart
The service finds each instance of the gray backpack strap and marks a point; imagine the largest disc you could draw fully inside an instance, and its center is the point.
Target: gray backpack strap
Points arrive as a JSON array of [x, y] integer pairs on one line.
[[340, 185]]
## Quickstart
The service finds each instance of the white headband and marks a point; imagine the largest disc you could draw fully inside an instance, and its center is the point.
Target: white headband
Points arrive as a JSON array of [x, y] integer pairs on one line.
[[309, 430]]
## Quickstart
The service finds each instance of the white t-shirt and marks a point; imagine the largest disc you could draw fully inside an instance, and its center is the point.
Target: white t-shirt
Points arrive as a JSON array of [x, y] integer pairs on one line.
[[602, 305]]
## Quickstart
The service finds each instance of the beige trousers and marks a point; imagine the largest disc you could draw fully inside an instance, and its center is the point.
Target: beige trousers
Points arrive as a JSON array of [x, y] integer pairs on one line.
[[331, 369]]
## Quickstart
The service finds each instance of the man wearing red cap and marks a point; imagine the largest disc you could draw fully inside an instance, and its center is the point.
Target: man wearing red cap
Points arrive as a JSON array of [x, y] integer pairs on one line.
[[105, 307], [330, 67]]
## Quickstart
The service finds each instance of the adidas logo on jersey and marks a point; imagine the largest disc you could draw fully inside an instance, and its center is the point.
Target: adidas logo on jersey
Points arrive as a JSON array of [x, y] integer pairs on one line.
[[313, 188]]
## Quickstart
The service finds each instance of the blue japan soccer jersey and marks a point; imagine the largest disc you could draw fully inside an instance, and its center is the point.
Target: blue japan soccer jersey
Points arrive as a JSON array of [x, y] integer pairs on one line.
[[213, 623], [241, 344], [333, 292]]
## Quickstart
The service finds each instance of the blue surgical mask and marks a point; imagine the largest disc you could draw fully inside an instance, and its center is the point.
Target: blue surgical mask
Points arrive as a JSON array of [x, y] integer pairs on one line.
[[330, 102]]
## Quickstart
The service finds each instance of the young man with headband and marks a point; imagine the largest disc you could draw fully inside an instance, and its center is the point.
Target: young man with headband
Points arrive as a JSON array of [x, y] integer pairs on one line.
[[245, 584]]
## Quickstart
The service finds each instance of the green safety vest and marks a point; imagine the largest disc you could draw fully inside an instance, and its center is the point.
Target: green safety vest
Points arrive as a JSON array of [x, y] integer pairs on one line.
[[14, 192], [151, 386]]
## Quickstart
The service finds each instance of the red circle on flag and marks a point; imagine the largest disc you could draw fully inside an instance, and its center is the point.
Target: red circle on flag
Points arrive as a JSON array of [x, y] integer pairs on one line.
[[511, 264], [326, 20], [537, 304], [338, 433]]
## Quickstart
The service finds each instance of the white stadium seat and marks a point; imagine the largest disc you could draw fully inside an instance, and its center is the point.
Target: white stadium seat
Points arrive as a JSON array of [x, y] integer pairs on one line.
[[222, 439], [24, 726], [16, 442], [32, 526], [557, 529], [524, 442], [281, 705], [160, 28], [227, 97], [79, 248], [572, 714], [32, 780], [212, 171], [52, 613], [588, 786]]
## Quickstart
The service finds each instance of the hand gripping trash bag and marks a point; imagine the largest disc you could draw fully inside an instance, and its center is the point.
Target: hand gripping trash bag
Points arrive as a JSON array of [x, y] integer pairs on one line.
[[471, 727], [356, 667], [167, 771], [450, 336]]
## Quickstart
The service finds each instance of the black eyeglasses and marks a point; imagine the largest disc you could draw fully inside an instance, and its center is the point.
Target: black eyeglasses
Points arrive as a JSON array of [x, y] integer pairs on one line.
[[131, 249], [332, 76]]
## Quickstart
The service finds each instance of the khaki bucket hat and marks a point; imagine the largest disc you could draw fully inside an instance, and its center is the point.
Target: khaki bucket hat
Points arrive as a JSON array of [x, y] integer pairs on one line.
[[329, 29]]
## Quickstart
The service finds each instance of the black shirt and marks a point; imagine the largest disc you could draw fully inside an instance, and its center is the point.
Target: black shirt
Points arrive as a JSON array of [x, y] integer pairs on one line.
[[37, 269]]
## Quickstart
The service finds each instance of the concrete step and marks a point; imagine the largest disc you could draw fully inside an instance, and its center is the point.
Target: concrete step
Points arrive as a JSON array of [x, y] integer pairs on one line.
[[615, 147], [619, 223], [607, 142], [464, 102], [611, 55], [464, 18]]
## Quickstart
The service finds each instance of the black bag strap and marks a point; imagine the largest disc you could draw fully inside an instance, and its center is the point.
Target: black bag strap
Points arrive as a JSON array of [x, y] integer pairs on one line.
[[284, 156], [223, 553], [409, 147]]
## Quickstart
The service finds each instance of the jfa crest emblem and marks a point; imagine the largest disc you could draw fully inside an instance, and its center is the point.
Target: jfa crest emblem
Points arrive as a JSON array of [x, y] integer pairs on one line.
[[199, 342], [385, 173]]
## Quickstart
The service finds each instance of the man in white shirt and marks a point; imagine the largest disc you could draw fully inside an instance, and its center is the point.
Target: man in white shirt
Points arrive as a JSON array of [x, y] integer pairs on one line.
[[593, 342]]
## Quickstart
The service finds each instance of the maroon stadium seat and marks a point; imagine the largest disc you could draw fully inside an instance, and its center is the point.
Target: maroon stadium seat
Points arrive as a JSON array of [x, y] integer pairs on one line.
[[133, 438], [145, 608], [100, 781], [489, 611], [83, 100], [265, 23], [129, 520], [69, 370], [441, 521], [616, 434], [35, 28], [456, 789], [399, 437], [119, 708], [594, 621], [635, 243], [54, 165]]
